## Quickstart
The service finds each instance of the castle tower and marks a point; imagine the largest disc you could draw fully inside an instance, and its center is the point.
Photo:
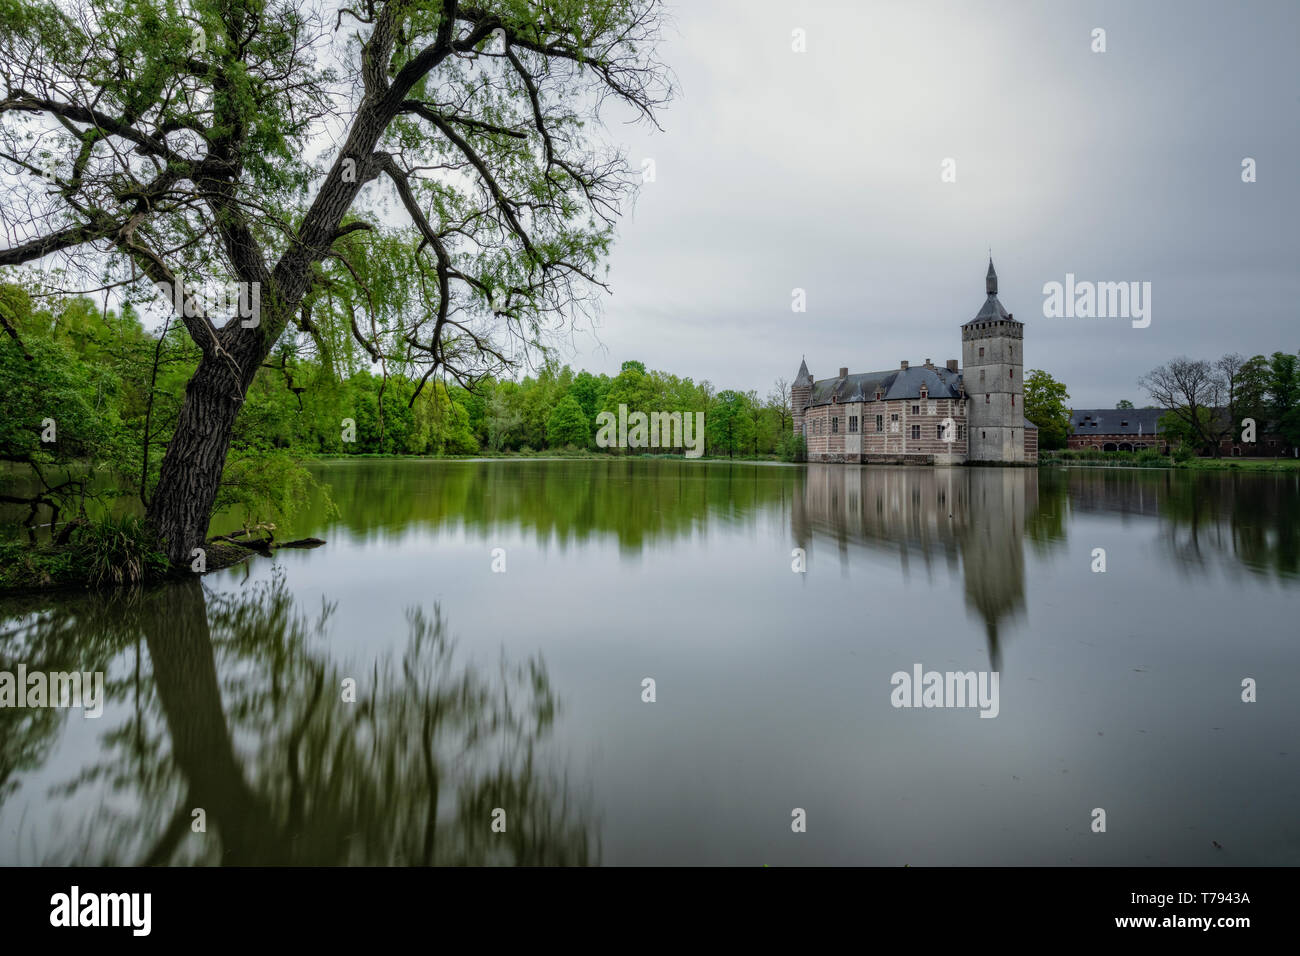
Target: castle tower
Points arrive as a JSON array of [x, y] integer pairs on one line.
[[800, 395], [993, 374]]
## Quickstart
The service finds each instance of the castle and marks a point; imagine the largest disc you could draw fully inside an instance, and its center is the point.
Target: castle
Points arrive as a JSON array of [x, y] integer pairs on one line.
[[927, 414]]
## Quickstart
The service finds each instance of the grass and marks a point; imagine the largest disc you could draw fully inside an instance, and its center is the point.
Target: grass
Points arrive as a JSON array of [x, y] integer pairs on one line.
[[1091, 458], [111, 552]]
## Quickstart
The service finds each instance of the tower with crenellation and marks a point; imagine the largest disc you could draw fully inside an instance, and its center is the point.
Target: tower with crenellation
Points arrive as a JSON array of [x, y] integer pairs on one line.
[[993, 376]]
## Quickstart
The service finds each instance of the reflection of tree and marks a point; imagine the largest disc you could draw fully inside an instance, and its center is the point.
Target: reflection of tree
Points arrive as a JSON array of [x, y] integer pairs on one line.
[[84, 639], [1238, 521], [638, 501], [1045, 524], [248, 724]]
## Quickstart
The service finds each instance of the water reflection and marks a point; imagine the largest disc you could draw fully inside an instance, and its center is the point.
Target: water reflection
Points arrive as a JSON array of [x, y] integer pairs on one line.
[[1231, 521], [975, 517], [233, 706], [226, 695]]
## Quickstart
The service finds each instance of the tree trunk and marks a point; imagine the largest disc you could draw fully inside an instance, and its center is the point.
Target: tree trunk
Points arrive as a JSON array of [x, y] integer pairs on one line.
[[196, 455]]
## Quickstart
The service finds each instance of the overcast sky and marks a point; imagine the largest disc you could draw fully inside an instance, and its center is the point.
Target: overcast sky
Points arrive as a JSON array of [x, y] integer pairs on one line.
[[822, 170]]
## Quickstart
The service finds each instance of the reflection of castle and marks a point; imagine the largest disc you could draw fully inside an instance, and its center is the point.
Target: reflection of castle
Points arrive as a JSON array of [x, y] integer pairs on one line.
[[927, 414], [942, 515]]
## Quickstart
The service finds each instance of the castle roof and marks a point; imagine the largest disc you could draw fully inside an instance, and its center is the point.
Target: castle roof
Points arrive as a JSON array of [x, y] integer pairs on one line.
[[992, 309], [896, 383], [803, 376], [1116, 421]]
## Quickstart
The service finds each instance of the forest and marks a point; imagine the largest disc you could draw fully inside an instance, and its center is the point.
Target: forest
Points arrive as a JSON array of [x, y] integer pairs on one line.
[[93, 398]]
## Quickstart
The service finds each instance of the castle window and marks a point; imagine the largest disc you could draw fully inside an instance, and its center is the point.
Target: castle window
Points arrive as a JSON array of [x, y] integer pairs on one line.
[[981, 372], [916, 431], [984, 434], [916, 409], [981, 351], [880, 423], [853, 423], [894, 417], [1011, 373], [1013, 401], [986, 398], [961, 432], [835, 425], [938, 431]]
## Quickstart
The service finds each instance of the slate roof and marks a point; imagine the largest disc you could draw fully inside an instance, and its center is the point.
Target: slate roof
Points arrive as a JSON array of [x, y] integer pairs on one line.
[[992, 310], [894, 384], [1116, 421], [803, 376]]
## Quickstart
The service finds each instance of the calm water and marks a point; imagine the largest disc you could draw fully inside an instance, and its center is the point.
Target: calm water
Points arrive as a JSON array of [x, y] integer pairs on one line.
[[522, 689]]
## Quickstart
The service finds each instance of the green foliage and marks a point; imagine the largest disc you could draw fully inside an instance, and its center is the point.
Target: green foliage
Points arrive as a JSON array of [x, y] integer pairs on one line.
[[109, 552], [568, 425], [1045, 406], [1284, 389], [116, 551], [792, 448], [730, 430]]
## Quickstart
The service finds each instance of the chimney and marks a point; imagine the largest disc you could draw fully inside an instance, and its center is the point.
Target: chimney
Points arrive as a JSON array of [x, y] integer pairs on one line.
[[844, 372], [903, 365], [952, 365]]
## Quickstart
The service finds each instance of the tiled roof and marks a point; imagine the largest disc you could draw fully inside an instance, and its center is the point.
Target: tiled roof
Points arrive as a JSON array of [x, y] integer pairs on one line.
[[895, 384], [1116, 421]]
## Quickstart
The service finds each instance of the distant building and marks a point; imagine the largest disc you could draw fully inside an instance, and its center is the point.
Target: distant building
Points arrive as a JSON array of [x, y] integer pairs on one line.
[[927, 414], [1138, 429], [1117, 429]]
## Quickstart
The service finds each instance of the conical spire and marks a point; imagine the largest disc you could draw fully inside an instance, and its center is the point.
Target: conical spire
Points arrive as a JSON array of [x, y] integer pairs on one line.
[[803, 376], [991, 280]]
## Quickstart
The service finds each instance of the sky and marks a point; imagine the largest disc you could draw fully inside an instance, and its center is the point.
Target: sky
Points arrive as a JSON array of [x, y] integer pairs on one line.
[[822, 170]]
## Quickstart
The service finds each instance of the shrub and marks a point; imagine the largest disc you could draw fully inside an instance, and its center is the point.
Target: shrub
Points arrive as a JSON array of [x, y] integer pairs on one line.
[[115, 551], [792, 447]]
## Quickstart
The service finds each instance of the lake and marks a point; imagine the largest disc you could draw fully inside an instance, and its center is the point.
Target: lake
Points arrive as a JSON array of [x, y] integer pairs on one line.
[[460, 674]]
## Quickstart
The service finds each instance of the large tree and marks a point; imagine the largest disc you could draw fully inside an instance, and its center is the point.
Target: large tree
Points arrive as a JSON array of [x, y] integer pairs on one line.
[[1045, 406], [178, 143], [1193, 392], [1284, 392]]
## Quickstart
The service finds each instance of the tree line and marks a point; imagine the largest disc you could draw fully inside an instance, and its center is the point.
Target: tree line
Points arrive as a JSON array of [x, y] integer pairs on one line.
[[93, 399]]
